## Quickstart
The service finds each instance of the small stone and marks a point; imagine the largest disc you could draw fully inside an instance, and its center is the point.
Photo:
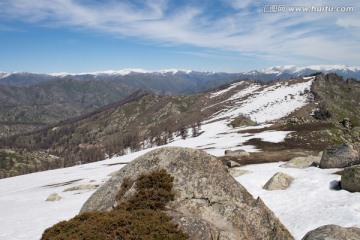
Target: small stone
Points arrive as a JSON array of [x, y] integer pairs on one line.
[[237, 172], [82, 187], [279, 181], [232, 164], [54, 197]]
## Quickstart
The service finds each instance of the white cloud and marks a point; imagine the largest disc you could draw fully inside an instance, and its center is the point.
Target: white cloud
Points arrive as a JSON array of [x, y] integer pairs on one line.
[[348, 22], [273, 36]]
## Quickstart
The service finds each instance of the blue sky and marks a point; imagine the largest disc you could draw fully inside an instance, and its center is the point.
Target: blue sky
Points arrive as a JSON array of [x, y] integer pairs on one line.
[[224, 35]]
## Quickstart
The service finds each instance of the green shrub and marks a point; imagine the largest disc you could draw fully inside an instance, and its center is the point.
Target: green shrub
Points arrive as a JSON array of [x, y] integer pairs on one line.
[[139, 218], [141, 224], [153, 191]]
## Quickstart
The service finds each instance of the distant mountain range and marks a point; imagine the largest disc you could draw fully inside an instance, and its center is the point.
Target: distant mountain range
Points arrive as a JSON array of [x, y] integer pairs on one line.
[[29, 101], [285, 72], [186, 81]]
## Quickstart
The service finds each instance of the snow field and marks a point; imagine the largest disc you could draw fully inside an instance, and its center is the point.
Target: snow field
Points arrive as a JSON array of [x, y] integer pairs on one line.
[[309, 202], [268, 104]]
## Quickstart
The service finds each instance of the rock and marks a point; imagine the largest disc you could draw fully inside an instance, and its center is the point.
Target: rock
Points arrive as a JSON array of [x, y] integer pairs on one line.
[[237, 172], [112, 173], [340, 156], [54, 197], [232, 164], [346, 123], [208, 200], [237, 153], [296, 121], [333, 232], [317, 162], [350, 179], [335, 185], [82, 187], [301, 162], [241, 121], [279, 181]]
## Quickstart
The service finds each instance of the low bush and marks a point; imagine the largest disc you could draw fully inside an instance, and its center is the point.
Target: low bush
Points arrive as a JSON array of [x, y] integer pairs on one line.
[[139, 218], [153, 191]]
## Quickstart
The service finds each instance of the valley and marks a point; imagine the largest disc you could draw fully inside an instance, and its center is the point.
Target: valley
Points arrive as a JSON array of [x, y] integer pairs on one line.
[[272, 122]]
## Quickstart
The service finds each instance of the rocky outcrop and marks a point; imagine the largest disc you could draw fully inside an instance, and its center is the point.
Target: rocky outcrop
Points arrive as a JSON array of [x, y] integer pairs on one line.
[[302, 162], [350, 179], [340, 156], [54, 197], [209, 203], [279, 181], [333, 232]]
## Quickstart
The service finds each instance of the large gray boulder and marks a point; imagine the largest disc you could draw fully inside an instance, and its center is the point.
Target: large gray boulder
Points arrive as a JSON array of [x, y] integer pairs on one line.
[[350, 179], [209, 203], [333, 232], [340, 156]]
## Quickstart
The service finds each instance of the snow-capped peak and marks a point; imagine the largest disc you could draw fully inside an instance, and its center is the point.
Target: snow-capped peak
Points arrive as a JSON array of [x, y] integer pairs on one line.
[[292, 69], [108, 72], [4, 74], [122, 72]]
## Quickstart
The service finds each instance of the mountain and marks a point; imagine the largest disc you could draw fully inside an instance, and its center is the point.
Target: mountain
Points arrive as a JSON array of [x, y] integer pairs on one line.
[[23, 109], [30, 101], [273, 122], [145, 119], [144, 78], [291, 71]]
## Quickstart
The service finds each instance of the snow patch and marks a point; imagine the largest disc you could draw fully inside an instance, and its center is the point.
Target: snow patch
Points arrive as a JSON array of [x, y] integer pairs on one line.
[[309, 202], [273, 102], [122, 72], [220, 92]]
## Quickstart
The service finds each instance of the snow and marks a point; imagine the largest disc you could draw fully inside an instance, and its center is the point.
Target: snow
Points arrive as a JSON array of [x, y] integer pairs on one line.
[[307, 204], [24, 212], [273, 102], [122, 72], [4, 74], [108, 72], [292, 69], [221, 92]]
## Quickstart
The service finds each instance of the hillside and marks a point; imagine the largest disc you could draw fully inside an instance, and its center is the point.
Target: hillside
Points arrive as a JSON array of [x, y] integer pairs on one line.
[[145, 119], [30, 101], [111, 130], [284, 129], [23, 109]]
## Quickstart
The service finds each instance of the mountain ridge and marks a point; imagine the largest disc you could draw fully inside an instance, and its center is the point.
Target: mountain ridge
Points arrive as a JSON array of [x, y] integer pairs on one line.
[[147, 119], [270, 73]]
